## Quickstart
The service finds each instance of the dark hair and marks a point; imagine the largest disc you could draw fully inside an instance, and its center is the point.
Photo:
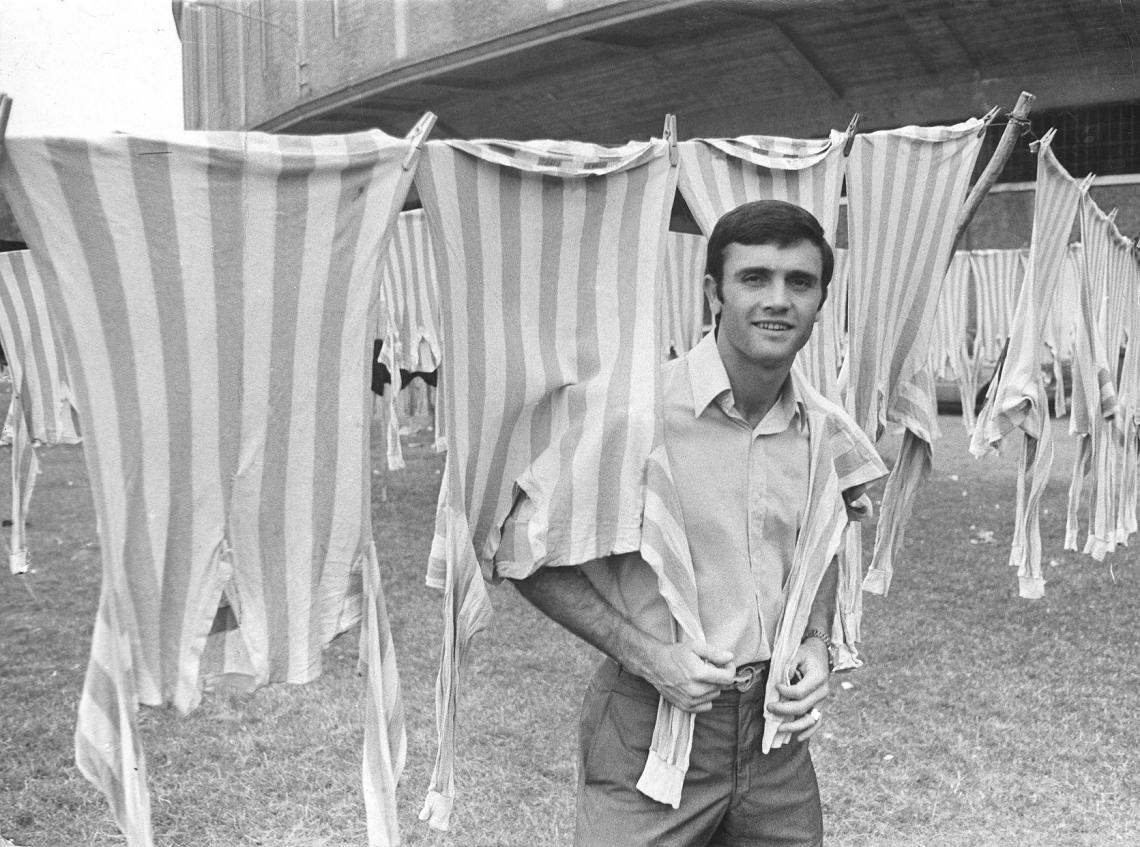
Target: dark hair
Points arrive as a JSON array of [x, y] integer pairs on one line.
[[767, 222]]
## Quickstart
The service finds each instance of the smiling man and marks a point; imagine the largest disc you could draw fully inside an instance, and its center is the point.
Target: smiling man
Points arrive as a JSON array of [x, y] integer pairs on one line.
[[737, 430]]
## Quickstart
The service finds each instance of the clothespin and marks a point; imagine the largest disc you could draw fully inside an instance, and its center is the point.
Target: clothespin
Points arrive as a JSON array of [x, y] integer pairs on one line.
[[669, 133], [5, 108], [1086, 182], [849, 136], [417, 137], [988, 119], [1044, 141]]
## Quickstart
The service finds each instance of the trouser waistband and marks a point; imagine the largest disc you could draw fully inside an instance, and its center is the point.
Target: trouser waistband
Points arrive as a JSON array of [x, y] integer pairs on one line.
[[621, 679]]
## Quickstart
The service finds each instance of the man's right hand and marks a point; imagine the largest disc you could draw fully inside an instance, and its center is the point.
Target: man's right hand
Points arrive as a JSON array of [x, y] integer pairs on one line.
[[690, 674]]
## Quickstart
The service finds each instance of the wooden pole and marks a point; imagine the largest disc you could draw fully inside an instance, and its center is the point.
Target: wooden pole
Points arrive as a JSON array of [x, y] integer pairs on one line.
[[1018, 119]]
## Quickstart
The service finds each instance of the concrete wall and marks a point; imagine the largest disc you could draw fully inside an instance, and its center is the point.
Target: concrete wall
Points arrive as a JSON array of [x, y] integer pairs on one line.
[[1005, 219]]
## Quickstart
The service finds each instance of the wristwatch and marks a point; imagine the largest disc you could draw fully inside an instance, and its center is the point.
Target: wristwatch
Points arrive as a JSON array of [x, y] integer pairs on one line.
[[826, 639]]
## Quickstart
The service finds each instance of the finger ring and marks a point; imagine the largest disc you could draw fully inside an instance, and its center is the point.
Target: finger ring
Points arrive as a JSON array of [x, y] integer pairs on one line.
[[816, 714]]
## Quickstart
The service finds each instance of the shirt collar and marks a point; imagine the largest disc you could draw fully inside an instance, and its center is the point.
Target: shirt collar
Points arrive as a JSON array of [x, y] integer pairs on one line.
[[707, 375], [709, 382]]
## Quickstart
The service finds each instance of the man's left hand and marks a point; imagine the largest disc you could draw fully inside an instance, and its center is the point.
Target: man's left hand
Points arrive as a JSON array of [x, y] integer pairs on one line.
[[800, 700]]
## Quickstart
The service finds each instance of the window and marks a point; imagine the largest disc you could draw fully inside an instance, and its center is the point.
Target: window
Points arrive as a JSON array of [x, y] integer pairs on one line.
[[1103, 140]]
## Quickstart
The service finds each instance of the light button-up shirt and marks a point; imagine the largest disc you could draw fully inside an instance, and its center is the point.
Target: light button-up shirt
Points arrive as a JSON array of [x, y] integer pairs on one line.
[[743, 493]]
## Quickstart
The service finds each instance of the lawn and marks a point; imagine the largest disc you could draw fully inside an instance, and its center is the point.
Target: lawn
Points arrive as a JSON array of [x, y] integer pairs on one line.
[[979, 718]]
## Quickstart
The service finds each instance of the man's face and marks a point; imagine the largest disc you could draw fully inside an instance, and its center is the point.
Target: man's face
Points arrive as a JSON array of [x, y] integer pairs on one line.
[[771, 299]]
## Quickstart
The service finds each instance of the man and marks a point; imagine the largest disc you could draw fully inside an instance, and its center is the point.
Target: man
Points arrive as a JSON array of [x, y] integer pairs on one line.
[[737, 437]]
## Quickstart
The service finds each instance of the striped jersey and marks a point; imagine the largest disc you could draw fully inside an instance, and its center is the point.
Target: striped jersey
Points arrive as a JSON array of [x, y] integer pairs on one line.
[[840, 457], [683, 298], [214, 294], [949, 348], [410, 295], [997, 276], [550, 257], [719, 174], [1016, 398], [905, 188], [42, 408], [1100, 388]]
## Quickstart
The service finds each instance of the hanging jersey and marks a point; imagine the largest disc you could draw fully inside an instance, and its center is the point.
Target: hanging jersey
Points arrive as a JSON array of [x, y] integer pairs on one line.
[[905, 188], [550, 258], [213, 292], [42, 408], [719, 174], [1016, 398]]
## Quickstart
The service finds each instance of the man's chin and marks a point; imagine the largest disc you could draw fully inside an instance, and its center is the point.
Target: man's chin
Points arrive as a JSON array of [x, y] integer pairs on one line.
[[773, 359]]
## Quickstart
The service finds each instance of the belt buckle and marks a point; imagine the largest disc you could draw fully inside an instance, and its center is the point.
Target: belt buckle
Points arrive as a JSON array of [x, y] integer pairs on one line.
[[748, 674]]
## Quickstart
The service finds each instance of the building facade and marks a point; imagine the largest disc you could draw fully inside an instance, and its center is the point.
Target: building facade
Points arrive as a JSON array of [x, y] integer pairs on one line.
[[609, 70]]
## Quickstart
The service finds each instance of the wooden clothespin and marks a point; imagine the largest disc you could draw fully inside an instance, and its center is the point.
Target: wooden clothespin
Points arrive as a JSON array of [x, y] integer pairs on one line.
[[1044, 141], [1086, 183], [5, 109], [988, 119], [418, 136], [849, 136], [669, 133]]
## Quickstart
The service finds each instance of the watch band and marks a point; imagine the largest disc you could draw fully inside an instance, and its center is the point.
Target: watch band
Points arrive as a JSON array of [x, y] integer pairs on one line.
[[826, 639], [817, 633]]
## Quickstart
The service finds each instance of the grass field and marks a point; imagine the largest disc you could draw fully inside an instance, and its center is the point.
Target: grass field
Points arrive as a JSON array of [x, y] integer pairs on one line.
[[979, 719]]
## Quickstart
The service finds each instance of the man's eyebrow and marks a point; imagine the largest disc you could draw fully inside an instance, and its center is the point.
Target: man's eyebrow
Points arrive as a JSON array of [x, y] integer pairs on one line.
[[795, 272]]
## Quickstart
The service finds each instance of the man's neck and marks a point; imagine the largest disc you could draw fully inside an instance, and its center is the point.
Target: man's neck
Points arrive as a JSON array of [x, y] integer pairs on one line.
[[755, 389]]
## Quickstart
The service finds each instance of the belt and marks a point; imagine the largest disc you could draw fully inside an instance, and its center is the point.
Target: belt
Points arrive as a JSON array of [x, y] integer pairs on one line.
[[748, 674]]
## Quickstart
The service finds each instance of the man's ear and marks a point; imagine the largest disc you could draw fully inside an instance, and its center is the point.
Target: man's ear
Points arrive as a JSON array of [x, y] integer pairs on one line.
[[711, 295]]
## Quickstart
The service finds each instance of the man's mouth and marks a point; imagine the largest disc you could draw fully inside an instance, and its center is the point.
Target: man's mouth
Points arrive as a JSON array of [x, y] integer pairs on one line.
[[775, 326]]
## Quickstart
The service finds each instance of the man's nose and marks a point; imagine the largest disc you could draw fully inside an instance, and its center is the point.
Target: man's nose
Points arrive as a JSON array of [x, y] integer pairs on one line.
[[777, 298]]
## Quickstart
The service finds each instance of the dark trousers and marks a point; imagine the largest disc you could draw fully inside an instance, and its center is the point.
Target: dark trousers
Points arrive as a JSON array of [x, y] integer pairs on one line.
[[733, 794]]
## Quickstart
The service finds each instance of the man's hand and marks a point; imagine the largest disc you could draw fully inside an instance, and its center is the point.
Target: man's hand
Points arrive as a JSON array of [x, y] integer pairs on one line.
[[691, 674], [800, 698]]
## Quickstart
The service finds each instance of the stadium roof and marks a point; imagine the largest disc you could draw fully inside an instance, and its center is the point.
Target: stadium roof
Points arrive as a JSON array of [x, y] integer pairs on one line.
[[729, 67]]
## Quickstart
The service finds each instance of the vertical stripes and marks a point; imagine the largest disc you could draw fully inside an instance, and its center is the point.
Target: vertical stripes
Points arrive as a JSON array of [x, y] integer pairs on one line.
[[411, 291], [1129, 390], [904, 190], [997, 278], [1103, 393], [213, 293], [41, 408], [1061, 324], [549, 258], [1016, 399], [840, 457], [411, 288], [949, 354], [682, 307], [717, 175], [1094, 395]]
